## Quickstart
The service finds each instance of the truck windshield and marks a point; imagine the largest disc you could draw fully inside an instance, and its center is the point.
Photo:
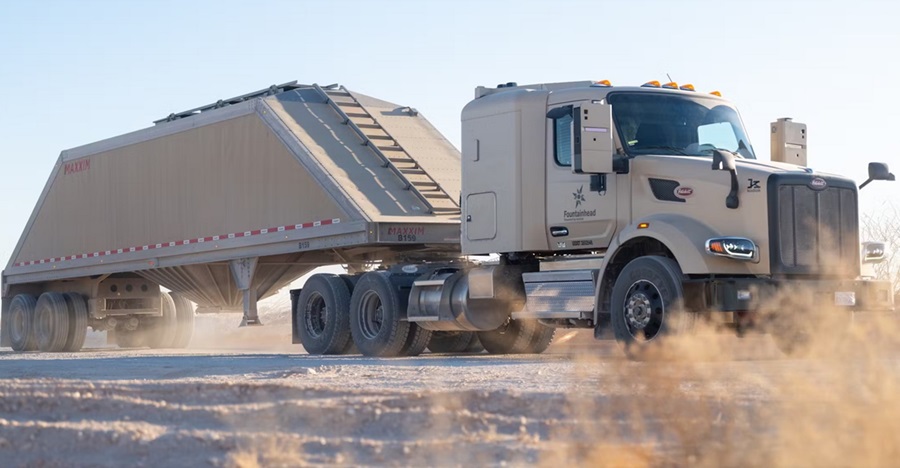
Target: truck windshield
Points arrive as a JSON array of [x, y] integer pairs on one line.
[[676, 124]]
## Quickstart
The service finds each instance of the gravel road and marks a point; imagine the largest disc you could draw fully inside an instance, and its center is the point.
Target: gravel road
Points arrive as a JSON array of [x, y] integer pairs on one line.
[[236, 399]]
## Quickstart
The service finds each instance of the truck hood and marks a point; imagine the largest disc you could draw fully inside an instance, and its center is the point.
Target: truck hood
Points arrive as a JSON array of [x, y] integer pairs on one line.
[[779, 167]]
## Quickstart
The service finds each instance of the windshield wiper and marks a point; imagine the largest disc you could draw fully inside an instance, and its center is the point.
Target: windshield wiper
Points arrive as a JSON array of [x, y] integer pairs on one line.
[[668, 148]]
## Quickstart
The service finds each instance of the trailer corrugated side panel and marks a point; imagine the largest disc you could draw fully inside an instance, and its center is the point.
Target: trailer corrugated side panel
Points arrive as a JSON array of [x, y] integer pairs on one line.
[[227, 177]]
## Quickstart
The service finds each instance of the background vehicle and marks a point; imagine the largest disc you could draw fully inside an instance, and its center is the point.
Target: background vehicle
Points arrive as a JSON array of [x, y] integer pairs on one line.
[[630, 209]]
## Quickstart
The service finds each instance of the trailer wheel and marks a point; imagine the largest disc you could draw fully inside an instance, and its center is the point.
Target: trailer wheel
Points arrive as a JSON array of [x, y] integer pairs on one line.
[[78, 322], [51, 322], [517, 337], [416, 341], [647, 304], [350, 281], [375, 323], [161, 331], [451, 341], [21, 323], [184, 320], [323, 315]]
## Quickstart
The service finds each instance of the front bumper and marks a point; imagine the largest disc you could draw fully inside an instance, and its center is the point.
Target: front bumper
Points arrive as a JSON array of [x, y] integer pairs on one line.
[[751, 294]]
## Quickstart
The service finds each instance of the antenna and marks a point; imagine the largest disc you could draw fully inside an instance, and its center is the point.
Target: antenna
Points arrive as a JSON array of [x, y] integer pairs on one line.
[[669, 77]]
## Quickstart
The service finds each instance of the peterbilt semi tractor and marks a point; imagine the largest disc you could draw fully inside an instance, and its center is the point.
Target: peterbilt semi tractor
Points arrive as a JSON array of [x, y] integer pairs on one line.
[[632, 211]]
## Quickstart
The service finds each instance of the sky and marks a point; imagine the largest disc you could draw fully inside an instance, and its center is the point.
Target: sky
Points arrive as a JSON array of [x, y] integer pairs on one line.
[[73, 72]]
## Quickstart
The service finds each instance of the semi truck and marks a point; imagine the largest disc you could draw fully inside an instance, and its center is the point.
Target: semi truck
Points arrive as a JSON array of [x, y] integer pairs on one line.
[[634, 211]]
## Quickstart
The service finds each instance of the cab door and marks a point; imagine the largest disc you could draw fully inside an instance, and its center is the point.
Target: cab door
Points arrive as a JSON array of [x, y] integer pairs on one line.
[[581, 208]]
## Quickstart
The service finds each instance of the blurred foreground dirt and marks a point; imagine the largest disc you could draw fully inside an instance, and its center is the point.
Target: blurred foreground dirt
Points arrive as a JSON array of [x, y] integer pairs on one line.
[[246, 397]]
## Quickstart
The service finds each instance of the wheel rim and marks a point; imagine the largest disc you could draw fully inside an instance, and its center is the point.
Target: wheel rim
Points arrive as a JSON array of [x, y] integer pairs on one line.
[[315, 315], [371, 314], [644, 310], [17, 326]]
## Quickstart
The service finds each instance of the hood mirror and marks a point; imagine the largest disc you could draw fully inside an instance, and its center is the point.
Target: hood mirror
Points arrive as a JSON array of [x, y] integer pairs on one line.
[[878, 171], [724, 161]]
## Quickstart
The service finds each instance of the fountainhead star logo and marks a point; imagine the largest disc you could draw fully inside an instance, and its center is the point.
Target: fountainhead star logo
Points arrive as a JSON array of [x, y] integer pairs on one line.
[[579, 196]]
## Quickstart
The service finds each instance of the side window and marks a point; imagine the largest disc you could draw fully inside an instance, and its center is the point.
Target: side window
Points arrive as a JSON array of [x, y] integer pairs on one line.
[[562, 140]]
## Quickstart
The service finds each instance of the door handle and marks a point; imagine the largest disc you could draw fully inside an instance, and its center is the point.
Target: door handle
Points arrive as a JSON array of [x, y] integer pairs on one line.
[[559, 231]]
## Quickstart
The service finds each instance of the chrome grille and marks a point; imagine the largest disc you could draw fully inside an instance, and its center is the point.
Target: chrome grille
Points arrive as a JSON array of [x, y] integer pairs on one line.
[[813, 232]]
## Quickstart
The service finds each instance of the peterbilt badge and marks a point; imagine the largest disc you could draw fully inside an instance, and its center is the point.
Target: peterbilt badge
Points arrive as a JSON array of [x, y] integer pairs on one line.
[[818, 183]]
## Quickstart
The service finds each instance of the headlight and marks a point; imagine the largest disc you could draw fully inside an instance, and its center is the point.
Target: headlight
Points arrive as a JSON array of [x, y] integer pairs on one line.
[[873, 252], [738, 248]]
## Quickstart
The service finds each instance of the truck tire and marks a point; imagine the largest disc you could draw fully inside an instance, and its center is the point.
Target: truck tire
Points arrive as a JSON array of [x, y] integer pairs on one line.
[[21, 323], [78, 322], [350, 281], [375, 316], [184, 320], [541, 339], [51, 322], [323, 315], [416, 341], [161, 331], [451, 341], [647, 304], [475, 346], [517, 337]]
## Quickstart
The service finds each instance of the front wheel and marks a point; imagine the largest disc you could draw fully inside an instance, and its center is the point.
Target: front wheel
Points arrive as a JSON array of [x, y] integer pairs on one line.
[[647, 305]]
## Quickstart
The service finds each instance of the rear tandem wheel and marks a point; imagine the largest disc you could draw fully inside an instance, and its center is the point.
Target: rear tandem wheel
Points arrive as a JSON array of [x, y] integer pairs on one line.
[[323, 315], [376, 319], [51, 322], [21, 323]]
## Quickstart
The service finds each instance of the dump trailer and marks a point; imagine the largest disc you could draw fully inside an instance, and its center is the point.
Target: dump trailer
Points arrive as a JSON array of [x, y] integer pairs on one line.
[[632, 211]]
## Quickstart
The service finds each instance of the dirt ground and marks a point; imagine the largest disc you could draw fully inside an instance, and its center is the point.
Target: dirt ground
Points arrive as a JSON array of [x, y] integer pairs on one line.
[[246, 397]]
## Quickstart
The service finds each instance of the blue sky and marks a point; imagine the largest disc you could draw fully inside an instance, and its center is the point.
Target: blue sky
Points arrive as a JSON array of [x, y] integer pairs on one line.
[[73, 72]]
